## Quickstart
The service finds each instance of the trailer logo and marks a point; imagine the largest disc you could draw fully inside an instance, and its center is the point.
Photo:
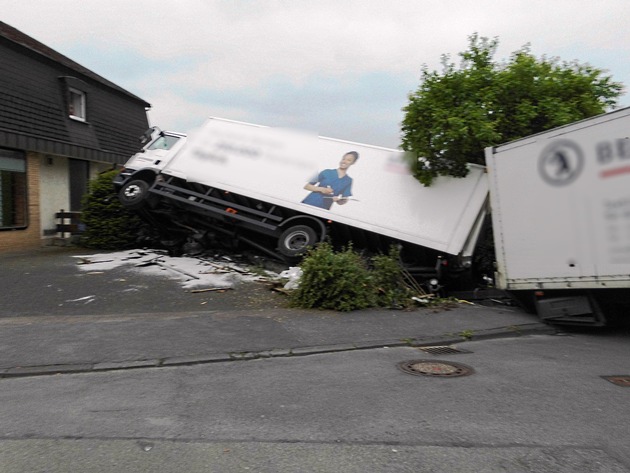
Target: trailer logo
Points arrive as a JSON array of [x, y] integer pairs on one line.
[[561, 163]]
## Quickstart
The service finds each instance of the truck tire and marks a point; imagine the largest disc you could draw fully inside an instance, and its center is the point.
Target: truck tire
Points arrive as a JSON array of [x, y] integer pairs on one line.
[[132, 194], [296, 240]]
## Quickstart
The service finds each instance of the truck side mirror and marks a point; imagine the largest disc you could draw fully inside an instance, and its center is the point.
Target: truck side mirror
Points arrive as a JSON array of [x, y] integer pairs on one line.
[[146, 136]]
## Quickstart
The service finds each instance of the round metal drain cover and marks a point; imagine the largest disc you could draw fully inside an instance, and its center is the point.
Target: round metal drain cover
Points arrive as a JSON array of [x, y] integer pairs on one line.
[[435, 368]]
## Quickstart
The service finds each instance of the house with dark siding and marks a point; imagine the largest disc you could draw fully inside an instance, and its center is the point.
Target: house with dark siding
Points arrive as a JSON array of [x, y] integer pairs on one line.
[[60, 125]]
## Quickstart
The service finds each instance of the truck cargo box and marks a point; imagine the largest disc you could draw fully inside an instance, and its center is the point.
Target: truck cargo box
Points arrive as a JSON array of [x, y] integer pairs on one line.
[[274, 165], [561, 214]]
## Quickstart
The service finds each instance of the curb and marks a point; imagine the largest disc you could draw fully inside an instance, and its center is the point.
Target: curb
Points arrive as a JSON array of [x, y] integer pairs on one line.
[[446, 339]]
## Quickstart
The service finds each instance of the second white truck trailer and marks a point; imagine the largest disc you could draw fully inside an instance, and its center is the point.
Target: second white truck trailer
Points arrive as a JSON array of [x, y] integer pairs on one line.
[[561, 219]]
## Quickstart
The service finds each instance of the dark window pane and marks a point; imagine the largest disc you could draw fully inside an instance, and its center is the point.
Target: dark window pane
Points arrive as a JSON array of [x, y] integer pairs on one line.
[[13, 194]]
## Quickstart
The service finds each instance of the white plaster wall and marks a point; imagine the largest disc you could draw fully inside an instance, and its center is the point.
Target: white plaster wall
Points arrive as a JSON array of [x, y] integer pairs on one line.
[[54, 189]]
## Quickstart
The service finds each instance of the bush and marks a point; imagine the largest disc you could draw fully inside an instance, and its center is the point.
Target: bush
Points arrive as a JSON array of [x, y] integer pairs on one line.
[[109, 226], [339, 281], [388, 280], [343, 281]]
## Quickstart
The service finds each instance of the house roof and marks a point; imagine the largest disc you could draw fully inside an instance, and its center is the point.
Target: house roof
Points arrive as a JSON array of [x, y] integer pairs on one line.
[[16, 36]]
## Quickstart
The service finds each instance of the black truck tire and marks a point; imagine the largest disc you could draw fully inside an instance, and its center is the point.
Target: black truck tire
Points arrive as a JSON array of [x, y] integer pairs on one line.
[[296, 240], [133, 194]]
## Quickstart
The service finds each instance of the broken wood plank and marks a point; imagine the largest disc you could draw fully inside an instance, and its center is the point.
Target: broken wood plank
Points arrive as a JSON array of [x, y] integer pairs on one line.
[[163, 265], [210, 289]]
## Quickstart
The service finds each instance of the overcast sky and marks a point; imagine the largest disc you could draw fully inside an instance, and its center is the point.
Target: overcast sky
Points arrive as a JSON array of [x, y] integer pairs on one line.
[[339, 68]]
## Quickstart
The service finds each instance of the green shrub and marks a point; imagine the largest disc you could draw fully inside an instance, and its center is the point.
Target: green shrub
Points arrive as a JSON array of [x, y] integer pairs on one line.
[[388, 280], [109, 226], [343, 281], [333, 280]]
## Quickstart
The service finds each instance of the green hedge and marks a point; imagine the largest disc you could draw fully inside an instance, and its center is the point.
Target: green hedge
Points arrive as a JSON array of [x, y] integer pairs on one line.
[[346, 281], [108, 225]]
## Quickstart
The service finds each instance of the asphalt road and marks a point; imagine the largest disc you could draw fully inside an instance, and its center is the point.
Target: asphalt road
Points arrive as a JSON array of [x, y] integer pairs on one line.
[[48, 282], [536, 401], [533, 404]]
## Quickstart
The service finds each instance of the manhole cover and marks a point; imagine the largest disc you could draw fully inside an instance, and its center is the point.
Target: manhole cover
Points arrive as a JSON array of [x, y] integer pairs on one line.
[[435, 368], [619, 380], [442, 350]]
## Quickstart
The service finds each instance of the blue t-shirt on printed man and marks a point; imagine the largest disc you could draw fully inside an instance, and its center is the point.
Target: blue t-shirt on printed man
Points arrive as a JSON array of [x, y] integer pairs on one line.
[[329, 178]]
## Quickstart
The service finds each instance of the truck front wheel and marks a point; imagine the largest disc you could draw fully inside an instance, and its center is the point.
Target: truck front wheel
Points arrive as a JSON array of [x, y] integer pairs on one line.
[[296, 240], [133, 194]]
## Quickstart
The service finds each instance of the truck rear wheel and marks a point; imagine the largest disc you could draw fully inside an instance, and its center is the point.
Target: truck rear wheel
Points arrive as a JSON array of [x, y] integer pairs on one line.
[[133, 194], [296, 240]]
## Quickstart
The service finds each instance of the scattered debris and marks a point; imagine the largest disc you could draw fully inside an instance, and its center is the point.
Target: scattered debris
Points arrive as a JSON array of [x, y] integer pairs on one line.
[[173, 268], [281, 290], [199, 273], [210, 289], [424, 300], [85, 300], [87, 260], [462, 301], [204, 273], [293, 274]]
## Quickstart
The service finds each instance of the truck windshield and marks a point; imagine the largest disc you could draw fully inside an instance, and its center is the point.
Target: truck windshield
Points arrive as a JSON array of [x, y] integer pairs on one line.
[[164, 142]]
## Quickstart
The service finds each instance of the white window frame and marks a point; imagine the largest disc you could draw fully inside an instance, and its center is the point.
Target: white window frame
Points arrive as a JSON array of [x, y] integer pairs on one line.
[[74, 96]]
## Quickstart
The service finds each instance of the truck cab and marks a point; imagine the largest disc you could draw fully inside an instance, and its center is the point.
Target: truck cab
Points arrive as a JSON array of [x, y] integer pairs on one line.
[[140, 171]]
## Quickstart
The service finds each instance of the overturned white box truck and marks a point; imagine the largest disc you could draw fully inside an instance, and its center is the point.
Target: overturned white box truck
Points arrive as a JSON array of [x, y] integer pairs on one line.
[[561, 219], [283, 191]]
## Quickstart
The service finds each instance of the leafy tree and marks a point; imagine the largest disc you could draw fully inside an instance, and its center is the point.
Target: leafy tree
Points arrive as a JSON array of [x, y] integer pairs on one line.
[[456, 113], [109, 226]]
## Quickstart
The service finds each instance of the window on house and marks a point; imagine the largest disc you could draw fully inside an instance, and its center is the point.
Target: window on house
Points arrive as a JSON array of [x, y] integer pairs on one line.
[[76, 104], [13, 202]]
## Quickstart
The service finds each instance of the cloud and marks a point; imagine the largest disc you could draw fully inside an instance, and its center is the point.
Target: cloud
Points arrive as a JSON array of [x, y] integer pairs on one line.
[[341, 67]]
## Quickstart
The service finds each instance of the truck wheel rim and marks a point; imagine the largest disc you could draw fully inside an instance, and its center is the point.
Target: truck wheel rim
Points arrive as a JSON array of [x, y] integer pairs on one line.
[[296, 241], [132, 191]]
